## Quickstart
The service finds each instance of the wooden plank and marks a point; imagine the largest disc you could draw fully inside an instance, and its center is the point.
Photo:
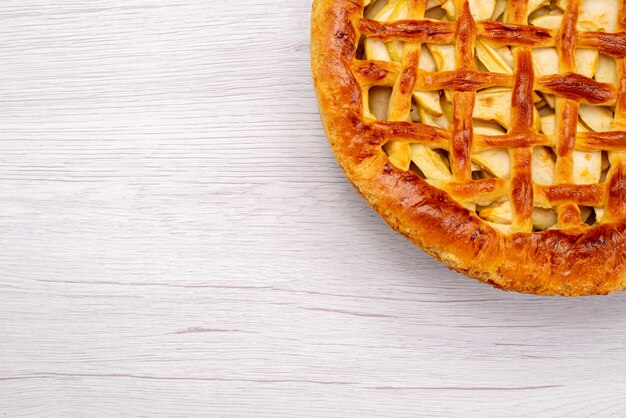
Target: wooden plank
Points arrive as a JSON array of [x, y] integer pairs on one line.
[[177, 239]]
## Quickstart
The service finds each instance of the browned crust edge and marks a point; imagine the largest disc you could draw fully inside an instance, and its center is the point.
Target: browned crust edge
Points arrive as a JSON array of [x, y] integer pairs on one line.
[[587, 262]]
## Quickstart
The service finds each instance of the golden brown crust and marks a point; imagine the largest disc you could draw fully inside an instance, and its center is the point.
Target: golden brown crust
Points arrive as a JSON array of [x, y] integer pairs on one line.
[[581, 260]]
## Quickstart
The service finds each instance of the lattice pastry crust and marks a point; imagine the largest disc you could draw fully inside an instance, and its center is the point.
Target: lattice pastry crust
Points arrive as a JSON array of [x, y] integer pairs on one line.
[[491, 133]]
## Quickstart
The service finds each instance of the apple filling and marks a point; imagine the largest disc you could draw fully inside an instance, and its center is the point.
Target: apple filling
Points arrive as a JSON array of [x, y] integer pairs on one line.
[[493, 106]]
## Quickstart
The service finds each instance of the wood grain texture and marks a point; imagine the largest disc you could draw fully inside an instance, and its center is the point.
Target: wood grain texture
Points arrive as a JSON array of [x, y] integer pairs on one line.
[[177, 240]]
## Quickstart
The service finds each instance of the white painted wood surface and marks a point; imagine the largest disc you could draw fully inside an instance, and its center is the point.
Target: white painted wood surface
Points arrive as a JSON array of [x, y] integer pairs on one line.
[[177, 240]]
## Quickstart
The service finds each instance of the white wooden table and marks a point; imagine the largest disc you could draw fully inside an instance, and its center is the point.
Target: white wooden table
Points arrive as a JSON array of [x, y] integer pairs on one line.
[[177, 240]]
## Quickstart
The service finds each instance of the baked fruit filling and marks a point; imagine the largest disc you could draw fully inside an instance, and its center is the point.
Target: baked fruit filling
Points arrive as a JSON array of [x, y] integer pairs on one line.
[[495, 116]]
